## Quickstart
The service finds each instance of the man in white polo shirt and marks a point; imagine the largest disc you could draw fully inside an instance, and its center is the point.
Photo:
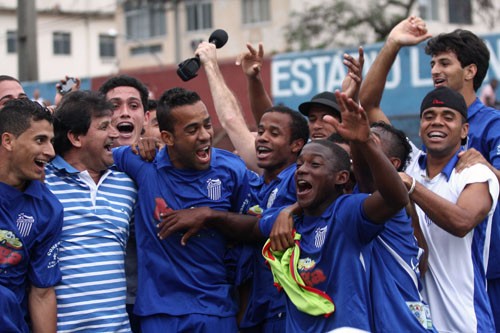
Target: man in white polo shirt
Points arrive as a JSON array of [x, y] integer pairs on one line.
[[455, 211]]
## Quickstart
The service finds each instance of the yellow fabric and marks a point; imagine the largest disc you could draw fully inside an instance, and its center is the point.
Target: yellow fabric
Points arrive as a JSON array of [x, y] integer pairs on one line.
[[284, 268]]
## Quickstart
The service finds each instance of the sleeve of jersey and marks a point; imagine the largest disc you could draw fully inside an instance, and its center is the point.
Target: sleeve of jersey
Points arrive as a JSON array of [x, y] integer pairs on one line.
[[350, 214], [242, 195], [494, 143], [267, 219], [480, 173], [44, 269], [126, 161]]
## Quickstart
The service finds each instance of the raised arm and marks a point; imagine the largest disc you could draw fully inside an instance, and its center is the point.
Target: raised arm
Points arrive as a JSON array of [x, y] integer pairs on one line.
[[251, 64], [352, 81], [391, 194], [227, 107], [410, 31]]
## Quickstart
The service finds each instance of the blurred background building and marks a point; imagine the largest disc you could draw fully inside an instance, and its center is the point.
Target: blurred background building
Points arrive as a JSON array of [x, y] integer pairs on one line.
[[42, 41], [103, 37]]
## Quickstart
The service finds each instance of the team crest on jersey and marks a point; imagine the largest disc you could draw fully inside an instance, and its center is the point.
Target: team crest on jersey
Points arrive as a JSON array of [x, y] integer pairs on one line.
[[319, 236], [214, 187], [272, 197], [24, 224]]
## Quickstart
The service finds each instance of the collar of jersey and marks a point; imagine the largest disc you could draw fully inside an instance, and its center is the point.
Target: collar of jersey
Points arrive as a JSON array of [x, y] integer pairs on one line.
[[448, 168]]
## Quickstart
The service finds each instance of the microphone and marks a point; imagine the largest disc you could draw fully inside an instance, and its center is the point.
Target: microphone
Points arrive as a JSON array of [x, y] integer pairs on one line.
[[188, 68]]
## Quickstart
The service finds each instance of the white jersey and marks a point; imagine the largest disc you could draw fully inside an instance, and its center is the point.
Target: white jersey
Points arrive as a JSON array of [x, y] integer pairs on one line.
[[455, 283]]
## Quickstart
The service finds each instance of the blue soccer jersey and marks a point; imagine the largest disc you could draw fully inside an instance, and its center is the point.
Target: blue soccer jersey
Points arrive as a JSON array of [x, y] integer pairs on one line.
[[484, 129], [394, 279], [30, 231], [180, 280], [265, 302], [331, 260]]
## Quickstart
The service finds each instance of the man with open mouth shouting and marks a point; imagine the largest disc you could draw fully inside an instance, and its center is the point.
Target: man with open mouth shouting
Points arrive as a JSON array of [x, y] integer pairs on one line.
[[184, 286]]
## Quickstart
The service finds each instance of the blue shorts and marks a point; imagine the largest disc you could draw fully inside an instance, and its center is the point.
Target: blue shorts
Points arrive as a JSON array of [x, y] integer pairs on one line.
[[192, 323], [494, 295]]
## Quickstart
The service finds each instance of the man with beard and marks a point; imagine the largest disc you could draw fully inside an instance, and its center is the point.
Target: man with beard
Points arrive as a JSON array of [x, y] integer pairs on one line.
[[184, 286], [98, 205]]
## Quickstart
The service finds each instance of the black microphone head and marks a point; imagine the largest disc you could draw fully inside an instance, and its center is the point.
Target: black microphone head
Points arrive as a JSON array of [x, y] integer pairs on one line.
[[219, 38]]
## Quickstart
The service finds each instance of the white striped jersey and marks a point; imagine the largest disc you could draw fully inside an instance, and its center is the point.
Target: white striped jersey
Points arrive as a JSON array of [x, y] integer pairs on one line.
[[91, 295]]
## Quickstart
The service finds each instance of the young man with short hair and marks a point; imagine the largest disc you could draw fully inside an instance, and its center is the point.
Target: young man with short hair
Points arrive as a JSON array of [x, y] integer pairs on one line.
[[31, 216]]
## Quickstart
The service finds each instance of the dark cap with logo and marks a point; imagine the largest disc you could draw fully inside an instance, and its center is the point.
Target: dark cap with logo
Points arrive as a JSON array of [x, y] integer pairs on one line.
[[325, 99], [444, 97]]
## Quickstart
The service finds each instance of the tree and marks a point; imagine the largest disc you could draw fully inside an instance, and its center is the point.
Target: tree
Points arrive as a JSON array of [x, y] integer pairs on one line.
[[345, 22]]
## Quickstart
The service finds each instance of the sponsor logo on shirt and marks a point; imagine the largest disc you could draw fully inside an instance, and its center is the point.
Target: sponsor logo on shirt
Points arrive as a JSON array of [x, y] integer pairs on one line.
[[24, 224], [422, 312], [54, 254], [10, 249], [214, 189], [309, 273]]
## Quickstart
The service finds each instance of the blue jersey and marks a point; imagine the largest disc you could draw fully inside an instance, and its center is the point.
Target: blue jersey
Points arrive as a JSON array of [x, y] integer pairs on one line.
[[11, 314], [394, 279], [179, 280], [331, 260], [484, 129], [30, 231], [265, 302]]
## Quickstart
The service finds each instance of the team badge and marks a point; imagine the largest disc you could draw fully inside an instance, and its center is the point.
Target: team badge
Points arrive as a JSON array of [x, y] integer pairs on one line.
[[24, 224], [214, 189], [319, 236], [272, 197]]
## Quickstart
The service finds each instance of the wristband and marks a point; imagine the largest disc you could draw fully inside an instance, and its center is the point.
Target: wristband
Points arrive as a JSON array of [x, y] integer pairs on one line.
[[412, 187]]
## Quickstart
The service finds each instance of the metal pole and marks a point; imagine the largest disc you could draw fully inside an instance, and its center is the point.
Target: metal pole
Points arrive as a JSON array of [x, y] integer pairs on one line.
[[27, 54]]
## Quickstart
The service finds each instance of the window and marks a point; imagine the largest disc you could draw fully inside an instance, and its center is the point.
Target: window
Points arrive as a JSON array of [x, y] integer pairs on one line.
[[107, 46], [146, 49], [62, 42], [460, 11], [11, 41], [145, 19], [255, 11], [199, 15], [428, 10]]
